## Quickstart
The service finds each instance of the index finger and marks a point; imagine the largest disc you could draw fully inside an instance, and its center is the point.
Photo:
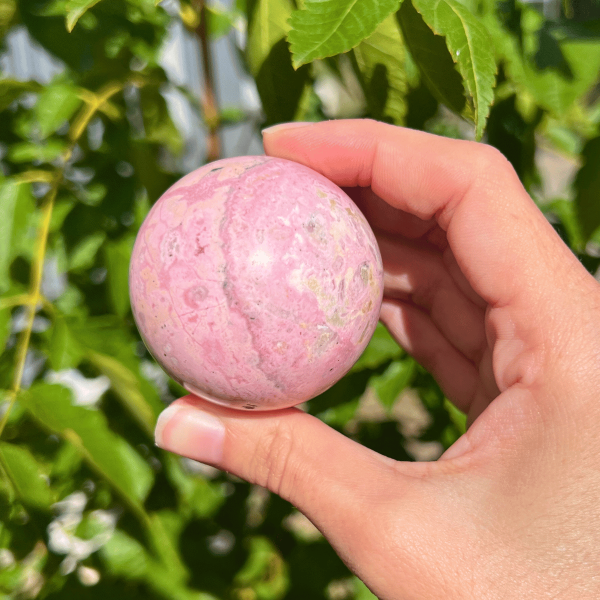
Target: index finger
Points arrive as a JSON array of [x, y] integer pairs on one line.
[[500, 239]]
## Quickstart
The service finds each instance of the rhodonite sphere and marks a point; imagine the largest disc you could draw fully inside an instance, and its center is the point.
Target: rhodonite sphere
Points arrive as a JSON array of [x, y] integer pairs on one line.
[[255, 282]]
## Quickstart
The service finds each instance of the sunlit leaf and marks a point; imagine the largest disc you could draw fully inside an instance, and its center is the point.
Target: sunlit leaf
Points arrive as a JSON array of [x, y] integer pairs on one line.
[[65, 352], [117, 255], [9, 193], [566, 211], [65, 463], [555, 70], [5, 323], [231, 115], [30, 483], [220, 21], [361, 591], [470, 46], [42, 153], [431, 55], [324, 28], [16, 207], [124, 556], [12, 89], [8, 10], [56, 104], [84, 254], [381, 60], [196, 495], [381, 349], [125, 383], [267, 26], [61, 209], [76, 9], [264, 573], [348, 389], [270, 62], [158, 126], [458, 418], [107, 453], [396, 377]]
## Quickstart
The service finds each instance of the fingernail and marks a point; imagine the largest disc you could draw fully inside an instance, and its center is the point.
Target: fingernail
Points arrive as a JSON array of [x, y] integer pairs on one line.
[[282, 126], [187, 431]]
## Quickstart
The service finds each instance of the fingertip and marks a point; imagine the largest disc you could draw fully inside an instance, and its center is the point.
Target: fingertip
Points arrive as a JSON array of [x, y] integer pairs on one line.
[[280, 127], [189, 431]]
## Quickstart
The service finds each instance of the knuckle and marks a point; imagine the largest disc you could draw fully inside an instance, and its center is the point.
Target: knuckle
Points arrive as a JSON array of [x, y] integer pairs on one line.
[[490, 162], [272, 461]]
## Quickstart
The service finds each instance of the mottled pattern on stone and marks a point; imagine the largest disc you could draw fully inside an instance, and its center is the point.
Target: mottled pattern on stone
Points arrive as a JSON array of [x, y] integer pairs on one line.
[[256, 282]]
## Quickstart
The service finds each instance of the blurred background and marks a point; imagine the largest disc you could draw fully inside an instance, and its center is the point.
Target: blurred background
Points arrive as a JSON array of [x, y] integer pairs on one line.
[[104, 105]]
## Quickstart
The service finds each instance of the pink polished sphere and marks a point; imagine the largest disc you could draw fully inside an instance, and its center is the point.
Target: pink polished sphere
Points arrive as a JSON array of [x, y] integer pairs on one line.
[[256, 282]]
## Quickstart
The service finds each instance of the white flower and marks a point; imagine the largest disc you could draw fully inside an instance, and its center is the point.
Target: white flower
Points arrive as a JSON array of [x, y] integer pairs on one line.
[[86, 391], [61, 532]]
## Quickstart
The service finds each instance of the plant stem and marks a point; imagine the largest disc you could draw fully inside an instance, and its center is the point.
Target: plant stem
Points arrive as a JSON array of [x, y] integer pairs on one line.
[[208, 98], [33, 298]]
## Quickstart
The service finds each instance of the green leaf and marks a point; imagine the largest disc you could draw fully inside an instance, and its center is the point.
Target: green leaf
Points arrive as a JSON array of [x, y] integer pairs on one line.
[[381, 349], [56, 104], [9, 193], [328, 27], [470, 46], [64, 350], [26, 476], [124, 557], [30, 152], [381, 61], [158, 126], [361, 591], [340, 415], [270, 62], [107, 453], [8, 10], [346, 390], [279, 86], [76, 9], [60, 211], [458, 418], [197, 496], [396, 377], [65, 463], [117, 255], [264, 572], [587, 188], [431, 55], [267, 26], [11, 90], [5, 322], [125, 383], [231, 115], [84, 253], [220, 21], [555, 69], [16, 208], [566, 212]]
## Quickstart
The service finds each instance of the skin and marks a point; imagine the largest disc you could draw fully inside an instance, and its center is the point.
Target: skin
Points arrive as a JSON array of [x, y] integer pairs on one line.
[[481, 291]]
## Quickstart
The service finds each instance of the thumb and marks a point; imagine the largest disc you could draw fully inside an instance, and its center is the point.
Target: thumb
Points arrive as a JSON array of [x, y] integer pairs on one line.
[[331, 479]]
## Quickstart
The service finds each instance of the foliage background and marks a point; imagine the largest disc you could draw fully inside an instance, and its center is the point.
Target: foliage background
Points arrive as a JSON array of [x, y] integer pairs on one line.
[[89, 507]]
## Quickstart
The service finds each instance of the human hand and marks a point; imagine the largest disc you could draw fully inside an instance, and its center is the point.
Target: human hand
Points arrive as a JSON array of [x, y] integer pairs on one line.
[[482, 292]]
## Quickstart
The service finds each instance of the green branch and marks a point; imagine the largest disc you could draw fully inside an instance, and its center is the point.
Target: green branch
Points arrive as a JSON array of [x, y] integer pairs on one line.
[[93, 103]]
